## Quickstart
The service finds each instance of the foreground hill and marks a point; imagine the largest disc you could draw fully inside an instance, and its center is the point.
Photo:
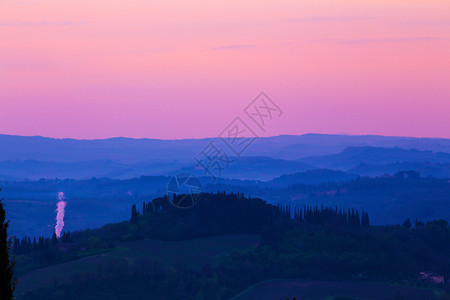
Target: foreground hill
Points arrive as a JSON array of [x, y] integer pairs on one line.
[[194, 253], [319, 290], [335, 246]]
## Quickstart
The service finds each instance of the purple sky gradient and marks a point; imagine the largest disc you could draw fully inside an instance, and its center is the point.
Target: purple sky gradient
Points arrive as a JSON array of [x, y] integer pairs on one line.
[[186, 69]]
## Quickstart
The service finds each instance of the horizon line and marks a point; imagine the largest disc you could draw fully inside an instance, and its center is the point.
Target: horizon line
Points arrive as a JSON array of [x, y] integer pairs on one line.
[[217, 137]]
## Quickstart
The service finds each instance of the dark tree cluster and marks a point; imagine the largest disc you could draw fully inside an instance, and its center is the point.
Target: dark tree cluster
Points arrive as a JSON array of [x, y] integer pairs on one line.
[[147, 207], [326, 215], [215, 213], [27, 245], [222, 213]]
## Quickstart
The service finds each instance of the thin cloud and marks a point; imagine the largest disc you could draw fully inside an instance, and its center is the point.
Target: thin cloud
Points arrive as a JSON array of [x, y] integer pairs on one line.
[[330, 19], [390, 40], [386, 40], [232, 47], [434, 22], [40, 23]]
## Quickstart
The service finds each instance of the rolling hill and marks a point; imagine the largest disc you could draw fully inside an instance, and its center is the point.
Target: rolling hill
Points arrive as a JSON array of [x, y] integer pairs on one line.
[[267, 157], [354, 156]]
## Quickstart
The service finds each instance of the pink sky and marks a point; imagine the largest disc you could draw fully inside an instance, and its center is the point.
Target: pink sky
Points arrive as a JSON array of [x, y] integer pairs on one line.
[[185, 69]]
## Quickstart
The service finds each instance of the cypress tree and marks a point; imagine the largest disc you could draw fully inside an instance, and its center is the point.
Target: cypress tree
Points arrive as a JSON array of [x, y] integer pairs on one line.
[[407, 224], [54, 239], [7, 281], [16, 245], [41, 243], [134, 214]]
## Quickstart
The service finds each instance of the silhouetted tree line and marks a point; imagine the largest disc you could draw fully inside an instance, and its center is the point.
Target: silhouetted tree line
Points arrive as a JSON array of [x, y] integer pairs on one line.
[[326, 215], [401, 181], [27, 245]]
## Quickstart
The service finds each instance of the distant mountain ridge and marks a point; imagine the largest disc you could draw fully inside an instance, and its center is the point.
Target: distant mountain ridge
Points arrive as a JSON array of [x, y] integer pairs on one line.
[[128, 150], [312, 177], [425, 169], [256, 168], [269, 157], [353, 156]]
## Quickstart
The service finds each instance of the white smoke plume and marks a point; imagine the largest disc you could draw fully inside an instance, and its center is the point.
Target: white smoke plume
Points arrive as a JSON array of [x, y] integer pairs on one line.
[[60, 214]]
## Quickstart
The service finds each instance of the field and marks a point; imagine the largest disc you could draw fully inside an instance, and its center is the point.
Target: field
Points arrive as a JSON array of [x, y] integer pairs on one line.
[[194, 253], [311, 290]]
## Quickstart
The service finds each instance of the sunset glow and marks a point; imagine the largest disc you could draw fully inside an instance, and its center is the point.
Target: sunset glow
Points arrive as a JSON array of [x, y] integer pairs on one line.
[[178, 69]]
